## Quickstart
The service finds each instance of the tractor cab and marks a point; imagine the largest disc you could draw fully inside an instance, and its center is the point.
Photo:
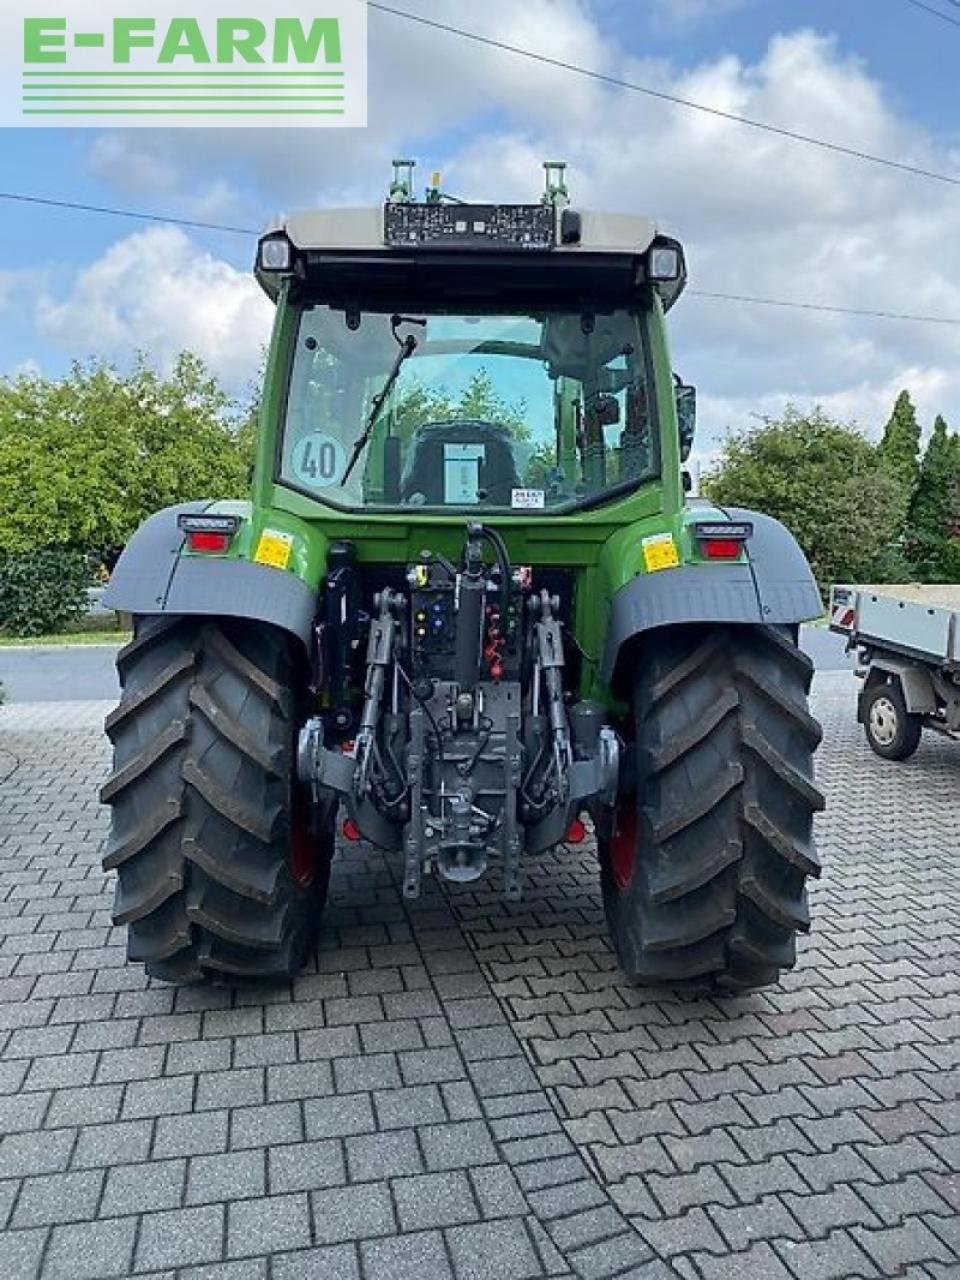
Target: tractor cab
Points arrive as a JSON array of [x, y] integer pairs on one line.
[[520, 376]]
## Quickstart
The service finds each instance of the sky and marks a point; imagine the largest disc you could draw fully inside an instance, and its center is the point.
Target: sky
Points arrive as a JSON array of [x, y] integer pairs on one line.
[[758, 215]]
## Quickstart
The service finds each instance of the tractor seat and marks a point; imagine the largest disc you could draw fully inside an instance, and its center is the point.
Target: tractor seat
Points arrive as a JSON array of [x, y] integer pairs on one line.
[[460, 463]]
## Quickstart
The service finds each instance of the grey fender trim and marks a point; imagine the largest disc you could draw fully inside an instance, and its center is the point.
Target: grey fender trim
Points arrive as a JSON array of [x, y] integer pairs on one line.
[[152, 578], [775, 587]]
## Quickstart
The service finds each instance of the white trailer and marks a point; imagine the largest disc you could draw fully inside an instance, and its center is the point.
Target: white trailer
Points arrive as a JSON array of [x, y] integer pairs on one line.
[[908, 639]]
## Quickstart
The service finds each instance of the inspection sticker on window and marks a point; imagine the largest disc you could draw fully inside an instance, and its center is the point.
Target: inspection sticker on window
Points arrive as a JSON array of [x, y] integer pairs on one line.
[[660, 552], [527, 499], [274, 549]]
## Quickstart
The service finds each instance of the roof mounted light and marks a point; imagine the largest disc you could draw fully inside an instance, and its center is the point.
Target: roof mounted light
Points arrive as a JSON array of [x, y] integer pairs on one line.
[[276, 253], [664, 263]]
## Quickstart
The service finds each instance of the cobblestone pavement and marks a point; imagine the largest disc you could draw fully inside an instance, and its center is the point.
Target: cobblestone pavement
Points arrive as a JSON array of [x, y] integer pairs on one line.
[[472, 1090]]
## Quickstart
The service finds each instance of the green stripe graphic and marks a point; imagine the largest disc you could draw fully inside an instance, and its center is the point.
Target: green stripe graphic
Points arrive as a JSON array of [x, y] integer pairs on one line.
[[180, 111], [207, 74], [183, 97]]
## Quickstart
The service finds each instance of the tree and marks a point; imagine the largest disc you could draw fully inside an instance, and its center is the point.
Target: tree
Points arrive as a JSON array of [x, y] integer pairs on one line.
[[899, 449], [85, 459], [932, 541], [826, 483], [419, 405]]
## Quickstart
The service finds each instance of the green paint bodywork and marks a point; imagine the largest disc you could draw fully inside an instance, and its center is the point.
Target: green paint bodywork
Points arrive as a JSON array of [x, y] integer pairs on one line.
[[603, 546]]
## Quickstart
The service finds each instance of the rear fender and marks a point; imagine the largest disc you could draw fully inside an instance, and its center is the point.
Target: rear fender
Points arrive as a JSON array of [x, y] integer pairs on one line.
[[154, 576], [774, 587], [915, 681]]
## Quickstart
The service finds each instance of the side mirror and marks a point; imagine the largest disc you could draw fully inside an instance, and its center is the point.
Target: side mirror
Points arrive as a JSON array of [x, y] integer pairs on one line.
[[686, 400], [607, 410]]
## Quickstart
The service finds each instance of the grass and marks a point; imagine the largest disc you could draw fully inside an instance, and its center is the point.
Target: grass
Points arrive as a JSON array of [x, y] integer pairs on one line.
[[103, 631]]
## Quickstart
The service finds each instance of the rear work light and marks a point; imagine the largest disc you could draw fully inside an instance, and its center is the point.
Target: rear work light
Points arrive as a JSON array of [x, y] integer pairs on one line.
[[210, 535], [722, 540], [275, 253]]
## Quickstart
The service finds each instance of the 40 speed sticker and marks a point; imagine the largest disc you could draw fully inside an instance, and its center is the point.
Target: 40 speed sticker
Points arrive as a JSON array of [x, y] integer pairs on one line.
[[318, 460]]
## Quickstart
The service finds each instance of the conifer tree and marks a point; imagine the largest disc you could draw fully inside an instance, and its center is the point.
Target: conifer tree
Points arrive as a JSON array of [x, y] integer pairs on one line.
[[932, 521], [899, 448]]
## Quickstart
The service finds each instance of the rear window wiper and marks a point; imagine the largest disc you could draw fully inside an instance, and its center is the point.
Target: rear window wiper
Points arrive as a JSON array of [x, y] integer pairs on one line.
[[407, 347]]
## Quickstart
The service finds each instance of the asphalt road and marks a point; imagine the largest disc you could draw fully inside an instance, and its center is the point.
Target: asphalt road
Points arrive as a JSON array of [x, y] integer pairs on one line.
[[63, 674], [86, 673]]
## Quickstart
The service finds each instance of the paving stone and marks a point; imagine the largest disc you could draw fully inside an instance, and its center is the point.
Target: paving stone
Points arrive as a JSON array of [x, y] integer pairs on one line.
[[23, 1154], [239, 1088], [229, 1176], [410, 1257], [140, 1188], [504, 1245], [268, 1224], [497, 1191], [416, 1105], [434, 1200], [91, 1250], [353, 1213], [268, 1125], [336, 1262], [307, 1166], [59, 1197], [457, 1146], [623, 1254], [20, 1253], [893, 1248], [362, 1073], [170, 1096], [338, 1117], [180, 1237], [191, 1135], [374, 1156]]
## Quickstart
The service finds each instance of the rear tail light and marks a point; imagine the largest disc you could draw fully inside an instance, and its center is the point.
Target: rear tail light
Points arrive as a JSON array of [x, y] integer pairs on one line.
[[722, 541], [198, 540], [209, 535], [350, 830]]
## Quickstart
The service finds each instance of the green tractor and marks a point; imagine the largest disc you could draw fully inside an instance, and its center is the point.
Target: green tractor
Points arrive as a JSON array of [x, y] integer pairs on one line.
[[466, 607]]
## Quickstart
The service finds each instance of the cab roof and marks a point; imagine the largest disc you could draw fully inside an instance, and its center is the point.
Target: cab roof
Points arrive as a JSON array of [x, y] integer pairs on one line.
[[596, 242]]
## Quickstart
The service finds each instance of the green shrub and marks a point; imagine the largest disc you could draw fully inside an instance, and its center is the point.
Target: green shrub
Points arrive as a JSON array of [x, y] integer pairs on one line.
[[41, 590]]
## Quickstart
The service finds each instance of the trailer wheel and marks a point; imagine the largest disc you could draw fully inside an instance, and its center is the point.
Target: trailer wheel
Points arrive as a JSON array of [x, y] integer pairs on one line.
[[892, 731], [218, 872], [704, 873]]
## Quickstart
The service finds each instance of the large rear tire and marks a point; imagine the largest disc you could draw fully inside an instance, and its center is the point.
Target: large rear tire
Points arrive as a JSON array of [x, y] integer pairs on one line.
[[704, 874], [217, 871]]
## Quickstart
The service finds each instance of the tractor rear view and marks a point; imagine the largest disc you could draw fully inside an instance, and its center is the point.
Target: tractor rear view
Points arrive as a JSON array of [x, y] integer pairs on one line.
[[466, 607]]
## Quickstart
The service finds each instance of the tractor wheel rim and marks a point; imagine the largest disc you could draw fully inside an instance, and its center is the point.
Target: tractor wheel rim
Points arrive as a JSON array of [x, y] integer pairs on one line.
[[883, 721], [304, 851], [623, 844]]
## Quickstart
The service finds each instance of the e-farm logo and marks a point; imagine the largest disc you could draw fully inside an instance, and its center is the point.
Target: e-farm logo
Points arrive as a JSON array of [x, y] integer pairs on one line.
[[183, 63]]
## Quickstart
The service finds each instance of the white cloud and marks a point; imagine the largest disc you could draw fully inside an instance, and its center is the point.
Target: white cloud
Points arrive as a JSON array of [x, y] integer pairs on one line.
[[758, 214], [156, 291], [683, 13]]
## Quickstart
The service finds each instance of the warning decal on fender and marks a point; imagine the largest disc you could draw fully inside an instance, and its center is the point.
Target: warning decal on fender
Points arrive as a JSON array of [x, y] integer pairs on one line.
[[660, 552], [274, 549]]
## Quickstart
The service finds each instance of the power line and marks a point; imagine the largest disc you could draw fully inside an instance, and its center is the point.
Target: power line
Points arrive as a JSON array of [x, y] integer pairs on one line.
[[662, 96], [928, 8], [125, 213], [77, 207], [823, 307]]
